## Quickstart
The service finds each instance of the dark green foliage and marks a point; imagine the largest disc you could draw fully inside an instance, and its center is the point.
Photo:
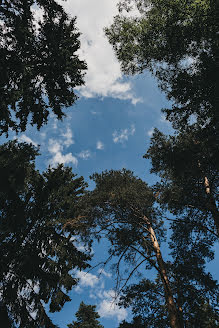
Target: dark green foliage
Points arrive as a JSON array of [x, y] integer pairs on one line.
[[137, 322], [117, 205], [184, 162], [195, 292], [36, 255], [119, 202], [86, 317], [39, 67], [177, 41]]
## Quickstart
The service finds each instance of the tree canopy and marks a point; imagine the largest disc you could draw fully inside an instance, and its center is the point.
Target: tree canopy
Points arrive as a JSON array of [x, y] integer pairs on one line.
[[87, 317], [39, 66], [123, 209], [37, 256], [177, 41], [188, 167]]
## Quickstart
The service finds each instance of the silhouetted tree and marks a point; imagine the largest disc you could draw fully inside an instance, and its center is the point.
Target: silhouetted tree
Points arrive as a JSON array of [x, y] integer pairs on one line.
[[37, 256], [188, 167], [178, 42], [122, 207], [39, 67], [86, 317]]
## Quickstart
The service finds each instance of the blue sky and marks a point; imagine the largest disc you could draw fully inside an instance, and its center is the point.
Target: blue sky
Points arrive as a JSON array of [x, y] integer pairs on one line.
[[108, 128]]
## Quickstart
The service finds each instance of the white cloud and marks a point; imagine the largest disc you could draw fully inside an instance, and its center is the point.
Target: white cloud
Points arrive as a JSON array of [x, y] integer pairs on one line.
[[43, 135], [106, 300], [55, 148], [100, 145], [108, 307], [68, 137], [24, 138], [123, 135], [86, 279], [104, 77], [106, 274], [64, 159], [150, 132], [85, 154]]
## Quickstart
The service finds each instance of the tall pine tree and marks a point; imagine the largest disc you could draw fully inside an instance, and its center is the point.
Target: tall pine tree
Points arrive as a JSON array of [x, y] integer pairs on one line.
[[122, 207], [39, 67], [178, 42], [37, 256]]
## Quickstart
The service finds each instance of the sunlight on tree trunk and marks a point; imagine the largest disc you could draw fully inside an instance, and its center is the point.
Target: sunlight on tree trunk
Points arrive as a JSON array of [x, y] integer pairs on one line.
[[173, 313]]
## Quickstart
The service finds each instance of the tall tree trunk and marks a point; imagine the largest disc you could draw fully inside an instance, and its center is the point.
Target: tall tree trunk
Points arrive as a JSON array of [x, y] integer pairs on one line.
[[211, 204], [172, 309]]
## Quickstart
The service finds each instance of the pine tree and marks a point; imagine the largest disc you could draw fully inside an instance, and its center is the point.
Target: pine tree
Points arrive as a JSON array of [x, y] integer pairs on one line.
[[195, 292], [39, 67], [178, 42], [86, 317], [37, 256], [122, 208], [188, 167]]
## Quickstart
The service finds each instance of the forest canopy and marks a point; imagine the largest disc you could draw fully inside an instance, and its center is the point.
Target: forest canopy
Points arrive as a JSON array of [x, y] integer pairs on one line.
[[160, 236]]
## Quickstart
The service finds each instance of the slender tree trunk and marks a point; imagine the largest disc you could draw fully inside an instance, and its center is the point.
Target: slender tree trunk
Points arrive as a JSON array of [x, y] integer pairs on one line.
[[172, 309], [211, 204]]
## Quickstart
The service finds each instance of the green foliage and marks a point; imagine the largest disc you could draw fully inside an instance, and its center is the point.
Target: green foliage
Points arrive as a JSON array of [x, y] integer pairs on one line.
[[86, 317], [37, 255], [119, 203], [177, 41], [183, 162], [39, 67], [136, 322], [195, 292], [117, 206]]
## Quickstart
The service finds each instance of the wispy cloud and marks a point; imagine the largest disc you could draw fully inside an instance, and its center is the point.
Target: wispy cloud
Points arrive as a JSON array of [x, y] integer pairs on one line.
[[99, 145], [84, 154], [108, 307], [150, 132], [24, 138], [106, 274], [123, 135], [68, 137], [86, 279]]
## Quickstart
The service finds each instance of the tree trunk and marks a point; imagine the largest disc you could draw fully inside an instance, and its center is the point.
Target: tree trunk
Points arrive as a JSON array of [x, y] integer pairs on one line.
[[212, 205], [171, 306]]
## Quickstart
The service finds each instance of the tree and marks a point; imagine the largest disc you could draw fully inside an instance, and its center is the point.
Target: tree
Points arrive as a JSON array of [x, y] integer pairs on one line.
[[195, 292], [86, 317], [188, 167], [168, 40], [122, 207], [177, 41], [37, 256], [39, 67]]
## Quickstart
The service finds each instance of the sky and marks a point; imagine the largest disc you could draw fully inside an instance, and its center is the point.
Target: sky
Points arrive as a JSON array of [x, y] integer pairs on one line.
[[108, 128]]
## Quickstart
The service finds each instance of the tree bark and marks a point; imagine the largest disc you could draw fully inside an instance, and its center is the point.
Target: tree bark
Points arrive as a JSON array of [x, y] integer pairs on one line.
[[171, 306], [212, 205]]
